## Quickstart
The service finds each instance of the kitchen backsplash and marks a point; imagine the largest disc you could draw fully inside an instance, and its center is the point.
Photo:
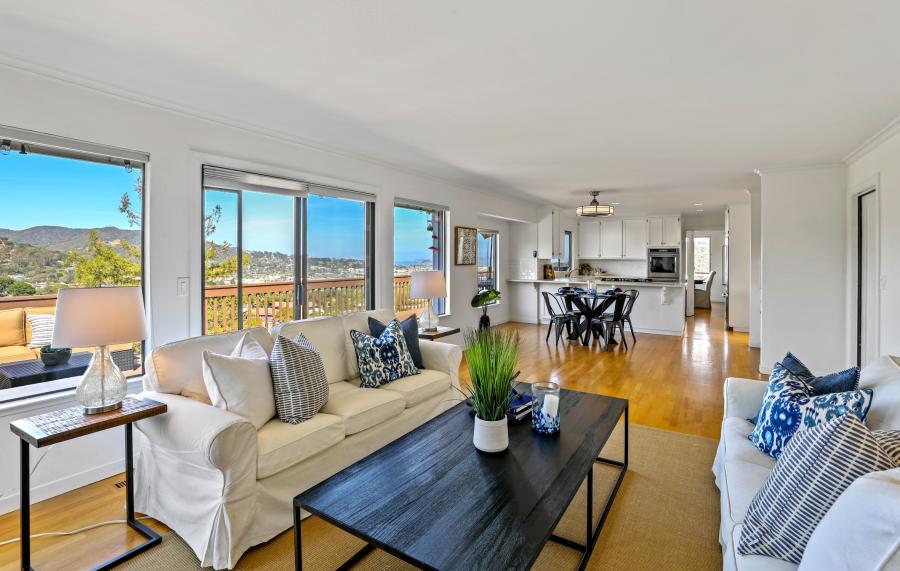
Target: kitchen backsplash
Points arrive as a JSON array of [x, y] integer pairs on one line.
[[624, 268], [523, 268]]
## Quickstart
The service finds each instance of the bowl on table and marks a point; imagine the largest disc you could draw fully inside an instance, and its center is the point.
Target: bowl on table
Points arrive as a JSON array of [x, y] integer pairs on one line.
[[55, 356]]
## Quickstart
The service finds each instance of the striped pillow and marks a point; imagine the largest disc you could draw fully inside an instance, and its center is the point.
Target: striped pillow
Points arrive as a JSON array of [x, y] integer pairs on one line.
[[298, 375], [816, 467], [41, 330]]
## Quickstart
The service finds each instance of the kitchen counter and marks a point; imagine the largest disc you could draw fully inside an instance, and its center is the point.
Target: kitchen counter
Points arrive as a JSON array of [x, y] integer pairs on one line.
[[579, 280]]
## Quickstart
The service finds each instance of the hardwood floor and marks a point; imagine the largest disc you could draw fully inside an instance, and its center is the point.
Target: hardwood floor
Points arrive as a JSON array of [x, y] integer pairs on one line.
[[673, 383]]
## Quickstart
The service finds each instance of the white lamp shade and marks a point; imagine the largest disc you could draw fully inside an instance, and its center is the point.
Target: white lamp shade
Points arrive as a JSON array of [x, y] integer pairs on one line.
[[92, 317], [428, 285]]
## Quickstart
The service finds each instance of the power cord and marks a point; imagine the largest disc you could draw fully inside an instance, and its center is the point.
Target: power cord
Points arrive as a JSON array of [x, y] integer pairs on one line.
[[73, 532]]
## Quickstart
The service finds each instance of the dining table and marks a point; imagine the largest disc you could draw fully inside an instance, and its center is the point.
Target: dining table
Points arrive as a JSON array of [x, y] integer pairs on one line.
[[588, 306]]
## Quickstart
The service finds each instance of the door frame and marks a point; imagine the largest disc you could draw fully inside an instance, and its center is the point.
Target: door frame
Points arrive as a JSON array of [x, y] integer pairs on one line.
[[854, 261]]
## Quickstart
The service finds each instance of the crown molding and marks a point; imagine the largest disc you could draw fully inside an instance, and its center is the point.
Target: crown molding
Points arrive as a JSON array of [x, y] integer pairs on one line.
[[813, 166], [881, 136], [134, 97]]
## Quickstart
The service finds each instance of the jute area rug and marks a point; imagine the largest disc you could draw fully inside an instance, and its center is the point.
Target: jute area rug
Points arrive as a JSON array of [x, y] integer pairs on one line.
[[665, 516]]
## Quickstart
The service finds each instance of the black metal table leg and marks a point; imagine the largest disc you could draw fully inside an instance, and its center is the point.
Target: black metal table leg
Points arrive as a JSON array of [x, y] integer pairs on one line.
[[25, 504], [298, 553]]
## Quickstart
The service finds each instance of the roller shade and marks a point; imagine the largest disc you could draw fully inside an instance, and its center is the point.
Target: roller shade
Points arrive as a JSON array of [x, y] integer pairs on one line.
[[18, 140], [230, 179], [335, 192], [419, 205]]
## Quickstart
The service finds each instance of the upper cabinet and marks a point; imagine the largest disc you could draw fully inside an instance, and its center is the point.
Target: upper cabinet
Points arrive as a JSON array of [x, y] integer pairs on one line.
[[634, 238], [589, 239], [611, 238], [550, 236], [663, 231]]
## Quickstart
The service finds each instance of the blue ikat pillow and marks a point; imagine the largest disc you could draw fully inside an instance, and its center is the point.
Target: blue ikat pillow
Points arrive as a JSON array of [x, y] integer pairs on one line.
[[384, 358], [791, 406]]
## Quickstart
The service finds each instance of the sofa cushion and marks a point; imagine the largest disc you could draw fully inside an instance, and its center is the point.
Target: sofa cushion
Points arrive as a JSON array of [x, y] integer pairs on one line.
[[281, 445], [12, 327], [326, 334], [862, 528], [16, 353], [238, 385], [301, 387], [738, 446], [426, 384], [362, 408], [177, 368], [741, 482], [382, 359], [882, 376], [410, 327], [359, 322]]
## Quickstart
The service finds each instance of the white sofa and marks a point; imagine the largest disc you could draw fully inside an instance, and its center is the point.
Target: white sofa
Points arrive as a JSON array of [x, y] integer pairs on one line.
[[222, 485], [741, 470]]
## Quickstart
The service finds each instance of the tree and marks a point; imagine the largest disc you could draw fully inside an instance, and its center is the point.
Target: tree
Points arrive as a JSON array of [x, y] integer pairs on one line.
[[225, 268], [103, 265], [20, 289], [5, 282], [126, 205]]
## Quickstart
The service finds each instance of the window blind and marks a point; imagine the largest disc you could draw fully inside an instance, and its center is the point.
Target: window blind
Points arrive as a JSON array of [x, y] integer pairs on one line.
[[231, 179], [419, 205], [335, 192], [44, 144]]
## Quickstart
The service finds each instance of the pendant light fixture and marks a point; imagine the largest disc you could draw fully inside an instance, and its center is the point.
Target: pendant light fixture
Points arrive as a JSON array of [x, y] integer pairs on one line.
[[594, 208]]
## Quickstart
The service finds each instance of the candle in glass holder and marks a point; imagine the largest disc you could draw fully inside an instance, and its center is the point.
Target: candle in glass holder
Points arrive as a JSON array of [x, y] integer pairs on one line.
[[545, 413]]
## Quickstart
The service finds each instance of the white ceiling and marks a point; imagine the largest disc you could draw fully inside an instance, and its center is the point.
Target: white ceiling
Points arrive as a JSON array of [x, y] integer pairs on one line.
[[670, 103]]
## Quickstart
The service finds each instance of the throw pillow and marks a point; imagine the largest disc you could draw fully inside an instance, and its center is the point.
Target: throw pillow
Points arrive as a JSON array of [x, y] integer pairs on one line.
[[790, 406], [410, 327], [41, 330], [815, 469], [298, 374], [241, 386], [384, 358], [846, 380], [249, 349]]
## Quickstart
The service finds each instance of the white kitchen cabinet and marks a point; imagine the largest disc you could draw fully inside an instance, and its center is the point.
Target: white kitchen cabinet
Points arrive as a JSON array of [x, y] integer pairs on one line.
[[654, 231], [589, 239], [550, 238], [634, 238], [671, 230], [611, 238]]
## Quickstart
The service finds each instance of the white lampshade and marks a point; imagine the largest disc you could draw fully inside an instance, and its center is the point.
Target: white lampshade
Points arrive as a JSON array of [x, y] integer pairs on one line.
[[92, 317], [428, 285]]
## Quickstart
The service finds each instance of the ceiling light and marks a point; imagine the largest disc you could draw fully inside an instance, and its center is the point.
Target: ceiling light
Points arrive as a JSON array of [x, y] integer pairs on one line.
[[698, 204], [594, 208], [699, 210], [615, 203]]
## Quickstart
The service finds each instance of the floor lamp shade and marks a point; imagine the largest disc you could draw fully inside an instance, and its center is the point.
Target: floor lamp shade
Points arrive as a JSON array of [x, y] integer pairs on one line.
[[100, 317], [428, 285]]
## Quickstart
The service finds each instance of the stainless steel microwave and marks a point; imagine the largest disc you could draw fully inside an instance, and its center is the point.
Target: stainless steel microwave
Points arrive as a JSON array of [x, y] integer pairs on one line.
[[662, 263]]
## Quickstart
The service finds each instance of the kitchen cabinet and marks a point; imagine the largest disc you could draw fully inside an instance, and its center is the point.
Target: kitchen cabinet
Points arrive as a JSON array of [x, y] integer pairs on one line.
[[663, 231], [589, 239], [634, 238], [611, 238], [654, 231], [550, 236]]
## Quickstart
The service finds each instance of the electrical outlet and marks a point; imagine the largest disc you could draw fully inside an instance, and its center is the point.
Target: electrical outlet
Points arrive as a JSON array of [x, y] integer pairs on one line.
[[183, 287]]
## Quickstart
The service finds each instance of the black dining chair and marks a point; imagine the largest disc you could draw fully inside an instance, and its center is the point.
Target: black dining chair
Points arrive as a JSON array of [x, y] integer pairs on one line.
[[560, 318], [629, 305], [608, 322]]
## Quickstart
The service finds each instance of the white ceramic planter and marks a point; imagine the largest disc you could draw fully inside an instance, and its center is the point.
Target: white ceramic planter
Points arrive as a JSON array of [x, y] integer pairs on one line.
[[491, 435]]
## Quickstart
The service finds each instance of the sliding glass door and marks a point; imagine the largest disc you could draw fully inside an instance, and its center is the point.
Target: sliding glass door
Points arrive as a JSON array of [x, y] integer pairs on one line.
[[275, 251]]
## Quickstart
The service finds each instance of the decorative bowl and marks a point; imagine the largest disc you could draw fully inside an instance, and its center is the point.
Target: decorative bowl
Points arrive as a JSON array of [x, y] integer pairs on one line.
[[51, 357]]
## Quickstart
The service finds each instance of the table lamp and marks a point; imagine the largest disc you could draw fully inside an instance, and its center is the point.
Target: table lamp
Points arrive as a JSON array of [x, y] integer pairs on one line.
[[100, 317], [428, 285]]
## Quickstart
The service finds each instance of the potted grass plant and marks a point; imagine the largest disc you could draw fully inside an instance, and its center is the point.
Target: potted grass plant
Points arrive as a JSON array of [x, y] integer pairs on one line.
[[491, 357]]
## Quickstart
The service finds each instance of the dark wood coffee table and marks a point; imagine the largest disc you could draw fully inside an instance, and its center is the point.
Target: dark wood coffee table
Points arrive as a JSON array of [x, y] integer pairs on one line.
[[431, 499]]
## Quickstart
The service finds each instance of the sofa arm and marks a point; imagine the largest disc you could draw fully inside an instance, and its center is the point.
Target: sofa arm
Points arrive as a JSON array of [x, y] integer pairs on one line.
[[444, 357], [743, 397], [201, 434]]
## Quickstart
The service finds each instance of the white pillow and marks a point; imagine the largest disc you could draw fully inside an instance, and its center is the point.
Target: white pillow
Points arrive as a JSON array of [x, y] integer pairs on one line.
[[41, 329], [242, 386], [861, 530], [249, 349]]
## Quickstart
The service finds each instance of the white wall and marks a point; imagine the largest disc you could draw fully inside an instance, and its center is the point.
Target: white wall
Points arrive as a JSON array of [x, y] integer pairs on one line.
[[877, 166], [178, 144], [738, 228], [803, 221], [755, 266], [499, 313]]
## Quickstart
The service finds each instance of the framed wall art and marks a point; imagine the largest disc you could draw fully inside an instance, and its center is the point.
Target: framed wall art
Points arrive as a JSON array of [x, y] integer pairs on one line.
[[466, 241]]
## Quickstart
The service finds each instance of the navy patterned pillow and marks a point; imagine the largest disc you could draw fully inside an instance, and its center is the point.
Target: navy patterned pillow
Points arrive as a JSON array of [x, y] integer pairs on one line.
[[846, 380], [790, 406], [384, 358]]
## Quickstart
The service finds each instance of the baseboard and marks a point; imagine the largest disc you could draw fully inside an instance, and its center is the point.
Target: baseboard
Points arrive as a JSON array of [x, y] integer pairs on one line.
[[62, 485], [741, 329], [754, 343]]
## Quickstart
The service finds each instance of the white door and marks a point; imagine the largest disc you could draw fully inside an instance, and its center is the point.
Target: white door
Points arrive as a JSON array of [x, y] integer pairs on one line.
[[655, 231], [589, 239], [611, 238], [868, 278], [634, 235], [671, 230]]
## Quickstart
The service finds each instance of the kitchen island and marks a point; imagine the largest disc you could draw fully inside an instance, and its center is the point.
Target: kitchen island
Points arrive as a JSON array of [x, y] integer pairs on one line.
[[659, 308]]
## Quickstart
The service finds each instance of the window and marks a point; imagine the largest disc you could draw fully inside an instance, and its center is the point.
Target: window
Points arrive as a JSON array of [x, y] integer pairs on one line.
[[565, 262], [305, 250], [418, 246], [488, 259], [71, 216], [701, 257]]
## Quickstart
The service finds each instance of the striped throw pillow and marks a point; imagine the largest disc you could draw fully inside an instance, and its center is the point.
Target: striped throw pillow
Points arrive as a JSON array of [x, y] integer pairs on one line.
[[41, 330], [298, 375], [816, 467]]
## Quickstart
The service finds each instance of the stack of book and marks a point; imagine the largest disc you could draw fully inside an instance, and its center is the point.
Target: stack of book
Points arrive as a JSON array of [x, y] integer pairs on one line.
[[520, 408]]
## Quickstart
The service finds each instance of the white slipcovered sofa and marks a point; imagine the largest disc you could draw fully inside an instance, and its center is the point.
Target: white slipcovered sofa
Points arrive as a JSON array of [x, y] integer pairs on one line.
[[222, 485], [741, 469]]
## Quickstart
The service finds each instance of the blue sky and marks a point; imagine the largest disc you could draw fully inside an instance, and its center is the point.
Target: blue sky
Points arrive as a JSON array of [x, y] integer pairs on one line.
[[38, 190]]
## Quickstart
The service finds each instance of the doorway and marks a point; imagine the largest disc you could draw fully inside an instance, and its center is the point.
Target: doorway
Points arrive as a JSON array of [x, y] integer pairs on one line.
[[867, 278]]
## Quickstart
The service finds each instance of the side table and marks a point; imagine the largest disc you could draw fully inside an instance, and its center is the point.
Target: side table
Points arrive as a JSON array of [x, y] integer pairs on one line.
[[61, 425], [441, 332]]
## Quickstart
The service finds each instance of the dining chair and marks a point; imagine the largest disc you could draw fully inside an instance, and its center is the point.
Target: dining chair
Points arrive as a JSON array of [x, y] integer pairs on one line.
[[701, 294], [610, 321], [629, 305], [559, 317]]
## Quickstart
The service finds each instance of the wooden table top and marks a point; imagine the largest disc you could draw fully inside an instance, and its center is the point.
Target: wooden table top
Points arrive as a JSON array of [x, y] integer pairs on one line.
[[66, 424], [435, 499], [442, 331]]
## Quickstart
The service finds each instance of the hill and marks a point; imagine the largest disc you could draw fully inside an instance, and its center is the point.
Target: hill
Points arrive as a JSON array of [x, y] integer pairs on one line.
[[62, 239]]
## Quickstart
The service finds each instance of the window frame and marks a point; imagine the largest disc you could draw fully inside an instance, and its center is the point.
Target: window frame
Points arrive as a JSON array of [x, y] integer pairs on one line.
[[569, 260], [495, 260], [438, 257], [73, 149], [708, 240]]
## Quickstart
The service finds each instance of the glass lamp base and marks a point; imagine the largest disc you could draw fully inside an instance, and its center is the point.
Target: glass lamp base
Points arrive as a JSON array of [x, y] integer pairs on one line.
[[429, 319], [103, 385]]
